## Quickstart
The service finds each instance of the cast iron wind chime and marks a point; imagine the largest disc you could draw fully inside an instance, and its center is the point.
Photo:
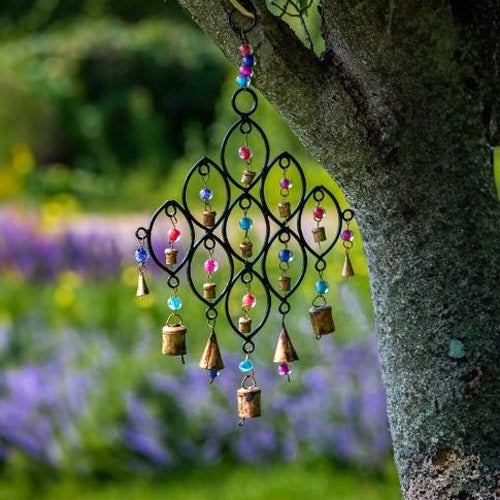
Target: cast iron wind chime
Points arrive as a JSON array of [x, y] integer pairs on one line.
[[208, 232]]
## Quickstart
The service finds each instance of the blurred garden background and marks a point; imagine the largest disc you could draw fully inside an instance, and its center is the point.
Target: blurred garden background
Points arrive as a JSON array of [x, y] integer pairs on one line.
[[104, 106]]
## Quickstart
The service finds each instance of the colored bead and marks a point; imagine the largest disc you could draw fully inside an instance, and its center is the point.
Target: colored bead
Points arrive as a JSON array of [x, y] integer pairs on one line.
[[173, 235], [243, 81], [246, 223], [245, 49], [246, 71], [286, 183], [248, 301], [285, 255], [206, 194], [211, 266], [213, 374], [141, 255], [318, 213], [174, 303], [346, 235], [245, 153], [284, 369], [246, 366], [322, 286], [248, 60]]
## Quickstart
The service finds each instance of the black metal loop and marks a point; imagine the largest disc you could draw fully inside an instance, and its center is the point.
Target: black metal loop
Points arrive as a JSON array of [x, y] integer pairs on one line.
[[248, 347], [245, 202], [246, 277], [284, 308], [211, 314], [320, 265], [171, 210], [348, 215], [318, 195], [285, 237], [173, 282], [253, 107], [141, 233], [239, 29], [211, 246]]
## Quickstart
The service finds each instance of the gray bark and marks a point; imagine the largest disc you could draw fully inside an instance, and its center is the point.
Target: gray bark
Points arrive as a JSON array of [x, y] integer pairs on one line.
[[403, 110]]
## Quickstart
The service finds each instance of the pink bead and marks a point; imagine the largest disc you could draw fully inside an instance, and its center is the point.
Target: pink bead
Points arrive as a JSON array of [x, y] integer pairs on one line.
[[318, 213], [249, 300], [211, 266], [245, 49], [284, 369], [285, 183], [173, 235], [346, 235], [246, 71], [245, 153]]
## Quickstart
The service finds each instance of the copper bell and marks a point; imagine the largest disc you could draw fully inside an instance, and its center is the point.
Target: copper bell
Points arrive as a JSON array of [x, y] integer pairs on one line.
[[285, 352], [246, 248], [170, 256], [322, 320], [209, 291], [248, 176], [142, 286], [245, 324], [284, 209], [209, 218], [347, 270], [211, 358], [248, 402], [174, 340], [284, 283], [319, 234]]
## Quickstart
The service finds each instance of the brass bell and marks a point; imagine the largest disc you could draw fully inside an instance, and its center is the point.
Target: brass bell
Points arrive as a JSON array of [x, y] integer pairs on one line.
[[142, 286], [347, 270], [248, 402], [284, 209], [319, 234], [245, 324], [248, 176], [209, 218], [170, 256], [285, 352], [284, 283], [211, 358], [209, 291], [174, 340], [322, 320], [246, 248]]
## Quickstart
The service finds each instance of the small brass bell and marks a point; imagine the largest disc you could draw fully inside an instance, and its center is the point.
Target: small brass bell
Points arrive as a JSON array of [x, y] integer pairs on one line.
[[249, 402], [285, 352], [209, 218], [245, 324], [170, 256], [284, 209], [347, 270], [284, 283], [322, 320], [246, 248], [209, 291], [319, 234], [248, 176], [211, 358], [174, 340], [142, 286]]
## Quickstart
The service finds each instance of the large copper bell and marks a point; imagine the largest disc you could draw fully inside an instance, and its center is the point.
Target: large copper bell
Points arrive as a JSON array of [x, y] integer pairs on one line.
[[285, 352], [347, 270], [174, 337], [211, 358], [249, 401], [142, 286], [322, 320]]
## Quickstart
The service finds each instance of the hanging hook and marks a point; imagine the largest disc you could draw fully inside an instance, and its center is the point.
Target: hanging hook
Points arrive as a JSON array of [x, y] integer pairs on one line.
[[242, 10], [249, 11]]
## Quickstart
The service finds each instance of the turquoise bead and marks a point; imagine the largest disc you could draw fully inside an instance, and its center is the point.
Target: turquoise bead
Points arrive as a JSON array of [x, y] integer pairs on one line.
[[243, 81], [246, 366], [246, 223], [174, 303], [322, 286]]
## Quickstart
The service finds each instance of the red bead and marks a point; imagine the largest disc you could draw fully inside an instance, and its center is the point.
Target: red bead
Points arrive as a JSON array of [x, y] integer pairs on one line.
[[245, 49], [249, 300], [173, 235], [245, 153], [318, 213]]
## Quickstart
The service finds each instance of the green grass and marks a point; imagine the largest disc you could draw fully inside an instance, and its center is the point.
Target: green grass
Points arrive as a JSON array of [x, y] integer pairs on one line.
[[275, 482]]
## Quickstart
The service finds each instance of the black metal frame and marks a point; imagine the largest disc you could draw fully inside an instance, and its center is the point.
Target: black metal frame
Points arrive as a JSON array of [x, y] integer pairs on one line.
[[256, 267]]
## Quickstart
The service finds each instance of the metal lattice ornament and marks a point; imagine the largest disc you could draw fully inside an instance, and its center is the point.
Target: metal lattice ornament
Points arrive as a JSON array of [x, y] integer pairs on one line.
[[250, 262]]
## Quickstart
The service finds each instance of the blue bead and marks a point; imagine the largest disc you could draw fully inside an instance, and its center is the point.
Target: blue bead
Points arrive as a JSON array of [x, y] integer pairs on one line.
[[248, 61], [206, 194], [174, 303], [285, 255], [246, 223], [213, 374], [322, 286], [243, 81], [246, 366], [141, 255]]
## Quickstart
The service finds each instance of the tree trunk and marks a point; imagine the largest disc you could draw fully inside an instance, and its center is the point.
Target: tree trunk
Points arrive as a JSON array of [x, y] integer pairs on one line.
[[401, 110]]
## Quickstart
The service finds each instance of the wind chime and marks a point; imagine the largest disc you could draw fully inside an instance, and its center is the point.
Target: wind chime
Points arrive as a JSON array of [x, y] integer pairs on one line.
[[207, 231]]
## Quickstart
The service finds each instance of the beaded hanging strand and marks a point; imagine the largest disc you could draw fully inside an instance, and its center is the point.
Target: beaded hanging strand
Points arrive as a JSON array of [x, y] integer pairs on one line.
[[347, 237], [141, 257]]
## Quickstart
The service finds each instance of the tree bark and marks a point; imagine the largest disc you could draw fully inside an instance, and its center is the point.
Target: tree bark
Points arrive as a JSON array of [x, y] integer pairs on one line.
[[402, 109]]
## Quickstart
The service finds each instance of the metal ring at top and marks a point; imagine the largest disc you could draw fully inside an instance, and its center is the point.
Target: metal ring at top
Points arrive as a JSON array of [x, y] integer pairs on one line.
[[348, 214], [255, 101], [249, 6], [141, 233]]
